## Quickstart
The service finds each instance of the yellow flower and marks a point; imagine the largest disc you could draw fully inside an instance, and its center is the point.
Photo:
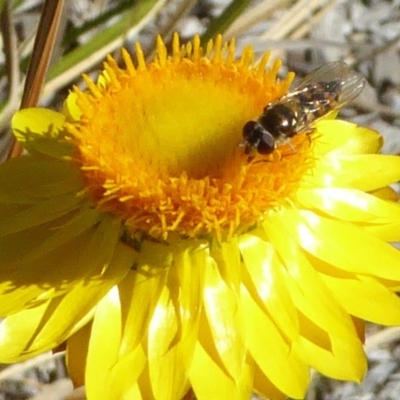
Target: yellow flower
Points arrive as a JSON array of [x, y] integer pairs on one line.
[[137, 230]]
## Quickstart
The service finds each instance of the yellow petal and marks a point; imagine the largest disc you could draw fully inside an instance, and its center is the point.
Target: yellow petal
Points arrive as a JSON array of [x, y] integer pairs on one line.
[[43, 327], [307, 290], [386, 193], [86, 294], [41, 131], [227, 257], [272, 352], [134, 393], [40, 214], [265, 282], [75, 357], [221, 332], [386, 232], [365, 172], [174, 325], [345, 359], [138, 292], [365, 298], [70, 108], [209, 381], [373, 214], [30, 245], [342, 244], [106, 326], [121, 380], [28, 180], [341, 137], [33, 278], [263, 386], [167, 351], [110, 376]]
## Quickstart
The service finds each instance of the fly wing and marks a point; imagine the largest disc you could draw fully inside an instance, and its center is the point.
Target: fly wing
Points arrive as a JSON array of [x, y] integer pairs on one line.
[[338, 78], [324, 90]]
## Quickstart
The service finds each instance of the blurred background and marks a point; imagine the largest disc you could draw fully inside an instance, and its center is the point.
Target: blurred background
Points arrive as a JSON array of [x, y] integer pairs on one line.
[[303, 33]]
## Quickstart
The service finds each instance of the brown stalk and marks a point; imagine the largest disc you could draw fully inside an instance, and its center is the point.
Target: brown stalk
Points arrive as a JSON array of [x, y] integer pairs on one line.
[[39, 62]]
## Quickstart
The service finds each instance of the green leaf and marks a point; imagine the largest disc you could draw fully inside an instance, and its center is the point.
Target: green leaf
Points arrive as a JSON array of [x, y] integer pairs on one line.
[[130, 18], [221, 24]]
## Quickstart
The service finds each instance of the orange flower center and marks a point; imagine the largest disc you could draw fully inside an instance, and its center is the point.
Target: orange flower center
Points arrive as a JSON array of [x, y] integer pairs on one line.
[[158, 143]]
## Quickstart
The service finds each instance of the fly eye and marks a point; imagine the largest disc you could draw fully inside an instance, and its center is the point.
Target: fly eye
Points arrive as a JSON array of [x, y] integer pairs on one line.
[[250, 132], [256, 137], [266, 144]]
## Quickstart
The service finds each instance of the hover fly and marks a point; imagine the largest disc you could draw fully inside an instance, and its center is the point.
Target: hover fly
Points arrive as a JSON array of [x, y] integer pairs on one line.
[[326, 89]]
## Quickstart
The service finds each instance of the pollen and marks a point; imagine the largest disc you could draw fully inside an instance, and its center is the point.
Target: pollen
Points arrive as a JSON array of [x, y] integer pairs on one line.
[[157, 143]]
